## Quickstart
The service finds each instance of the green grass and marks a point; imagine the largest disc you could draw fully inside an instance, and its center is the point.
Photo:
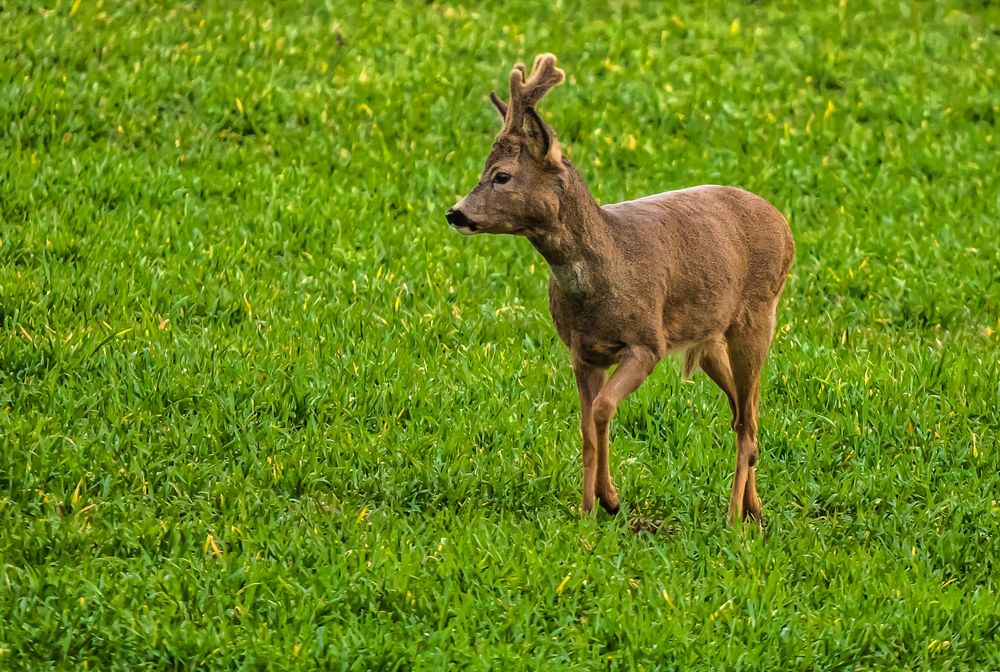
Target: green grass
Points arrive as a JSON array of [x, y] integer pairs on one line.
[[260, 408]]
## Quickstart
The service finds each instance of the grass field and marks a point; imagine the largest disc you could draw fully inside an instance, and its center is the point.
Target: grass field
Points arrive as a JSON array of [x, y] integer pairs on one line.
[[260, 408]]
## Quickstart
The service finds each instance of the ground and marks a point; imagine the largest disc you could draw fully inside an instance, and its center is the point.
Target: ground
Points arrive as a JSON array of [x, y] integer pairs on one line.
[[261, 408]]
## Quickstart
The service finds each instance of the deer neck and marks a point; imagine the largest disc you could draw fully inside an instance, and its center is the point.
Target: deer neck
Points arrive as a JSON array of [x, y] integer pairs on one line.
[[580, 248]]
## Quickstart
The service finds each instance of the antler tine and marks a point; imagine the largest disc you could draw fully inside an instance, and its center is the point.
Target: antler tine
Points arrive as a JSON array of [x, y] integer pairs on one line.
[[544, 77], [526, 92]]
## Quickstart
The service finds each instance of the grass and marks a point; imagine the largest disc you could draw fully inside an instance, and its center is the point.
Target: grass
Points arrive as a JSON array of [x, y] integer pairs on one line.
[[260, 408]]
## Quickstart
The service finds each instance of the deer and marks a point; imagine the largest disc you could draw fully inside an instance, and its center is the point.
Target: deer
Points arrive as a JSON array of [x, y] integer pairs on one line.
[[697, 271]]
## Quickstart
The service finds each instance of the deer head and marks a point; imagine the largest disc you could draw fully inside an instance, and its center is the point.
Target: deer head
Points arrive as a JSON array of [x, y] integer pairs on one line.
[[519, 190]]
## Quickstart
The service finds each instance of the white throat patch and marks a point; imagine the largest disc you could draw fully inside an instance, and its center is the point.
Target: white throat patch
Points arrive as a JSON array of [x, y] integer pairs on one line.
[[572, 278]]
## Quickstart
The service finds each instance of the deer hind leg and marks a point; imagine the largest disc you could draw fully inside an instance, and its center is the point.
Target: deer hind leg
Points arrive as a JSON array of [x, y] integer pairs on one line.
[[747, 351], [715, 363]]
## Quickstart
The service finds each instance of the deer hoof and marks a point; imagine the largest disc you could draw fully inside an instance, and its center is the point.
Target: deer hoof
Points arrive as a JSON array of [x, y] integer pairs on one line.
[[611, 504], [746, 516]]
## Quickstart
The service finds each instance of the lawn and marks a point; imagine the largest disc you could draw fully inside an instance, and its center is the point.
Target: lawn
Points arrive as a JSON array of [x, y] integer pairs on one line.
[[260, 408]]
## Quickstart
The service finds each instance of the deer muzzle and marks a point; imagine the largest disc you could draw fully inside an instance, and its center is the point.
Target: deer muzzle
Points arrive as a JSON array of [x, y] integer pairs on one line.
[[460, 222]]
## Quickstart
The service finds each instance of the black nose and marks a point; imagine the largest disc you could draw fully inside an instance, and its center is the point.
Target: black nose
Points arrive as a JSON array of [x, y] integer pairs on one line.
[[458, 218]]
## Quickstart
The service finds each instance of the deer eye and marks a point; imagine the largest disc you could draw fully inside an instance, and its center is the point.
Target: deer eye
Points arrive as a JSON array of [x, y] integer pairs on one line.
[[501, 178]]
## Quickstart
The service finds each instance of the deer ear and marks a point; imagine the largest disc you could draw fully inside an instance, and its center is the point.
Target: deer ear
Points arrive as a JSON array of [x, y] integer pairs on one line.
[[543, 141], [499, 104]]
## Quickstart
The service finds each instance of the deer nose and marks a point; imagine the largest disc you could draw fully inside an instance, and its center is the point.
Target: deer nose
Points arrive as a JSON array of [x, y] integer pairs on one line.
[[458, 218]]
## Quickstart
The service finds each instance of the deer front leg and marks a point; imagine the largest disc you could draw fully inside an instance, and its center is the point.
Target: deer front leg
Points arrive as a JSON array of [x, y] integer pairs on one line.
[[589, 380], [631, 371]]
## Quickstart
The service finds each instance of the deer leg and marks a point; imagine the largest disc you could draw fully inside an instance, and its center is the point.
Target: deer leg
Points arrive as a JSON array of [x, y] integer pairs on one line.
[[589, 380], [715, 364], [629, 375], [747, 352]]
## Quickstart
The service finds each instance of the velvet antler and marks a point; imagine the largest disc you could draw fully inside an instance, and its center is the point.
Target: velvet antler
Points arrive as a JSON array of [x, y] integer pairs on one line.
[[525, 92]]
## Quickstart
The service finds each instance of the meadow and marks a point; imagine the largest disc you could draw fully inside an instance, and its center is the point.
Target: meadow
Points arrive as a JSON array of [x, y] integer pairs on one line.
[[260, 408]]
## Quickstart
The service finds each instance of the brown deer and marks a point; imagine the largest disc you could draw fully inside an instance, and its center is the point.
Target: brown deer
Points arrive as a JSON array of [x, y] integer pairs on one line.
[[698, 270]]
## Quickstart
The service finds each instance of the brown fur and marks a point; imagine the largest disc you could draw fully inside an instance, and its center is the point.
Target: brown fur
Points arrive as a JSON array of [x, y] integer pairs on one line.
[[697, 270]]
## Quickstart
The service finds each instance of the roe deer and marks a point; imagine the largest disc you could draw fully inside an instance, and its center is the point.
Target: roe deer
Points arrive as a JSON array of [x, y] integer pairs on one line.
[[697, 270]]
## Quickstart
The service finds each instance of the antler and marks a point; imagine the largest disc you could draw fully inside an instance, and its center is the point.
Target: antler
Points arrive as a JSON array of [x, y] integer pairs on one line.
[[526, 92]]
